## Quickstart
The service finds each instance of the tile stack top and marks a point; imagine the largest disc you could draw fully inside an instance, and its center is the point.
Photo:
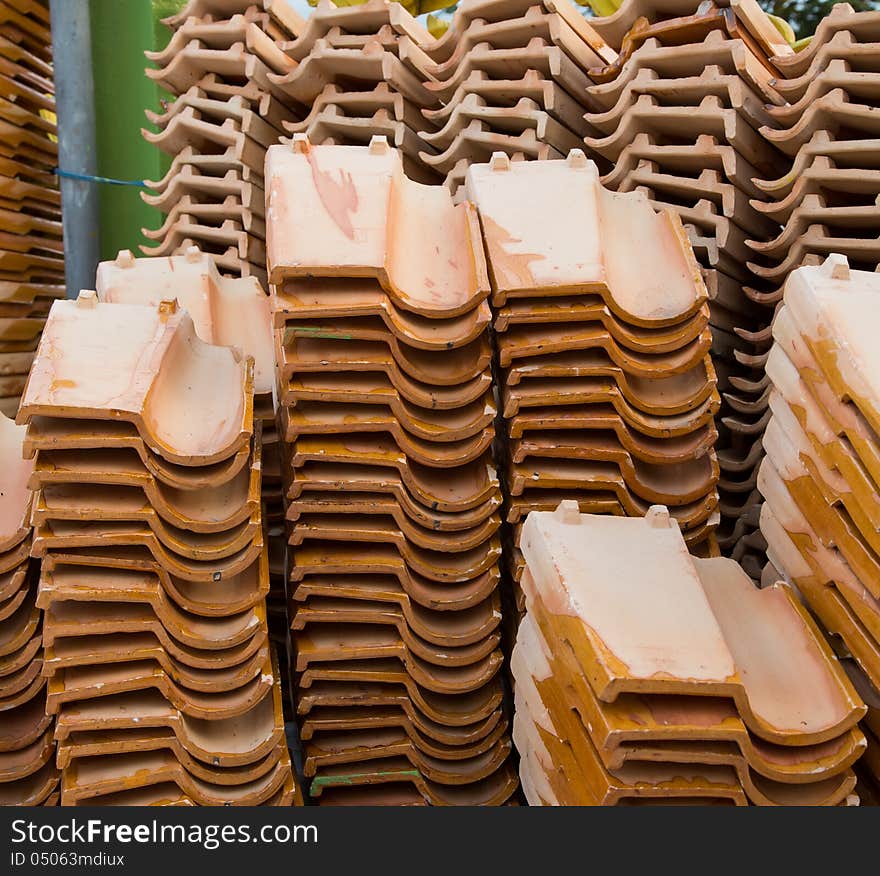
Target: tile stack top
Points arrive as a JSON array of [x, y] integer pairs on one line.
[[614, 634], [145, 366], [577, 238], [352, 212], [636, 644]]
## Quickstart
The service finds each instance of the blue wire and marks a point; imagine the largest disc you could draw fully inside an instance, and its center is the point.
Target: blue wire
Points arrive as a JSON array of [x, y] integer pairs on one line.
[[85, 177]]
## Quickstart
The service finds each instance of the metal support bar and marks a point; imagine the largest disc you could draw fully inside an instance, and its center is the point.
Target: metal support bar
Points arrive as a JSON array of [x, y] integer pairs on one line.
[[77, 144]]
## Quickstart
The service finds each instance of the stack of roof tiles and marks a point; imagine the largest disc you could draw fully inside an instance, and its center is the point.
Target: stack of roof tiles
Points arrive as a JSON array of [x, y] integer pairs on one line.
[[154, 574], [826, 199], [28, 775], [607, 389], [512, 78], [867, 768], [680, 115], [646, 675], [820, 476], [230, 312], [226, 113], [31, 250], [358, 72], [383, 357]]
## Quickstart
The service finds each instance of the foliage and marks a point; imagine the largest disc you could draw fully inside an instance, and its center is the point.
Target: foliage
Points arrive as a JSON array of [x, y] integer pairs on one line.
[[166, 8], [804, 15], [436, 25], [414, 7], [601, 7]]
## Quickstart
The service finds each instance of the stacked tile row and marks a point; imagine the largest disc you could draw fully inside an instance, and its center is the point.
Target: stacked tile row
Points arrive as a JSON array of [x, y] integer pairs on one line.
[[681, 116], [820, 476], [606, 384], [31, 247], [233, 312], [226, 112], [825, 199], [506, 76], [228, 312], [28, 776], [360, 71], [645, 675], [154, 573], [512, 77], [379, 291]]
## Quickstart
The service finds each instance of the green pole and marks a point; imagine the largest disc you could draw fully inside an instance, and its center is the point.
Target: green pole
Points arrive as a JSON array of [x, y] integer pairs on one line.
[[121, 31]]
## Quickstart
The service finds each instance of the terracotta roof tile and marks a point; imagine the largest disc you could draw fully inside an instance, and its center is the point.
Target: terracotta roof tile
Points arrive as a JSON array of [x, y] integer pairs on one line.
[[492, 791], [336, 208], [225, 311], [96, 776], [27, 748], [389, 480], [629, 723], [819, 477], [123, 389], [546, 254]]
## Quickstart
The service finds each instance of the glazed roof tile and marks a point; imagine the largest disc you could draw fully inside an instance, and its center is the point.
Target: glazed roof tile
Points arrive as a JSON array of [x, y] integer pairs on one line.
[[341, 222], [711, 597], [544, 247], [124, 371], [225, 311]]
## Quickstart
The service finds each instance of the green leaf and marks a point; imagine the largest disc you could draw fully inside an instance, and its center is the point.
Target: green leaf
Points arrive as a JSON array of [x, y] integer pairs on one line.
[[783, 27], [602, 7], [437, 26]]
